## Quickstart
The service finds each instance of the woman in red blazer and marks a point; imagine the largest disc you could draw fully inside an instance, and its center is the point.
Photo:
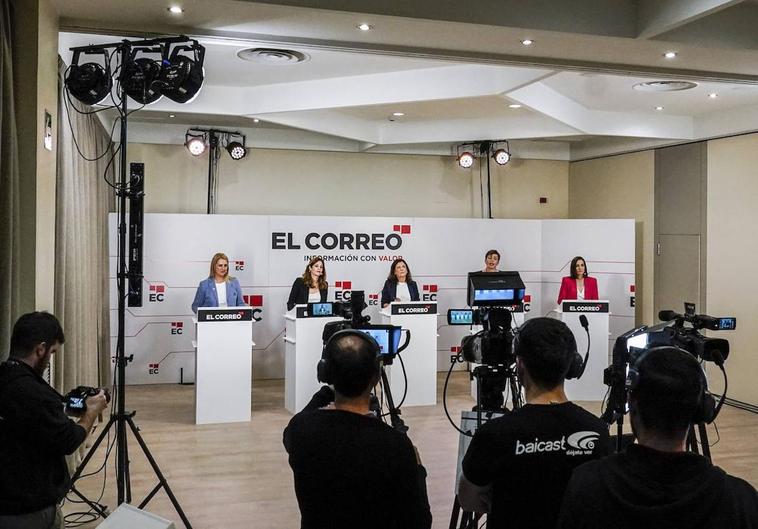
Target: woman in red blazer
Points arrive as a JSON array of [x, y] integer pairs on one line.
[[579, 285]]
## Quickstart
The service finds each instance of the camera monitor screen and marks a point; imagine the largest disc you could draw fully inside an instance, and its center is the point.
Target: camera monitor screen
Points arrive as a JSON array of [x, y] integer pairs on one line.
[[387, 336], [491, 289], [321, 309], [460, 317]]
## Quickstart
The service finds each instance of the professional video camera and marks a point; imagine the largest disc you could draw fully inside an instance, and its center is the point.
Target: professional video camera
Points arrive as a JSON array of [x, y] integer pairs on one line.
[[493, 297], [76, 400], [672, 332], [386, 336]]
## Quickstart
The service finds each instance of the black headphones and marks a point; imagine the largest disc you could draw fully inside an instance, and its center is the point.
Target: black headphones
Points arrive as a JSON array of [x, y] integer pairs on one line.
[[576, 367], [324, 367], [706, 406]]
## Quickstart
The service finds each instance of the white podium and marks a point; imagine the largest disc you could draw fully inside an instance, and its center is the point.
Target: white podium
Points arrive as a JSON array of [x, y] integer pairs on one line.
[[223, 364], [420, 357], [590, 386], [302, 351], [517, 312]]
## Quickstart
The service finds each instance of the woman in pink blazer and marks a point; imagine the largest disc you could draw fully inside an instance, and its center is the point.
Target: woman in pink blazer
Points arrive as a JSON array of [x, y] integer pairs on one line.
[[578, 285]]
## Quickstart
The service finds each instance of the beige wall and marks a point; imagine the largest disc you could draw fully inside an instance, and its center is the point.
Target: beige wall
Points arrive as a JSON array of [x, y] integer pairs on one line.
[[731, 256], [288, 182], [621, 187], [35, 47]]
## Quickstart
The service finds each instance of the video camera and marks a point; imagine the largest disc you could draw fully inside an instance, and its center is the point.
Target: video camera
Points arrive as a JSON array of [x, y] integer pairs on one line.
[[387, 336], [76, 400], [493, 297], [672, 332]]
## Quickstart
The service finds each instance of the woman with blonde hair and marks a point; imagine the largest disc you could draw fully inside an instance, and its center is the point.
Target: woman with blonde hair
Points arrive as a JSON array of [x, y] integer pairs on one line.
[[219, 289], [311, 287]]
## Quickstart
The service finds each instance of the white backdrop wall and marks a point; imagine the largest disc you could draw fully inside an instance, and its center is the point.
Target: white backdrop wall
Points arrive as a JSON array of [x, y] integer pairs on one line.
[[439, 252]]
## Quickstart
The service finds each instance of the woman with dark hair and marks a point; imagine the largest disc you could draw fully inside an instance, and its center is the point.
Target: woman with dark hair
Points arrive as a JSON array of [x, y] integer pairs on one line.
[[491, 260], [311, 287], [399, 285], [219, 289], [578, 285]]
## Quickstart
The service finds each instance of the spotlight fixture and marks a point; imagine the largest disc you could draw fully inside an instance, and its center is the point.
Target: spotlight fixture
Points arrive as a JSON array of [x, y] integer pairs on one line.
[[236, 150], [181, 76], [196, 144], [466, 159], [670, 55], [140, 76], [91, 82], [502, 156]]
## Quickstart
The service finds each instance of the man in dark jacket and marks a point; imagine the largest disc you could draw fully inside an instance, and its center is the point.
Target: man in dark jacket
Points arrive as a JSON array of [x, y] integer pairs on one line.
[[352, 470], [35, 434], [656, 483]]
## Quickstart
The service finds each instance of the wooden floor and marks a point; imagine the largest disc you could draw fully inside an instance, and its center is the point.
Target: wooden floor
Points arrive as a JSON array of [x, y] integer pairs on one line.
[[237, 476]]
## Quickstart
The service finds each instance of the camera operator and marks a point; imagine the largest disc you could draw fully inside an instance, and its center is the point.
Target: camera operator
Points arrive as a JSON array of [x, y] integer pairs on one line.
[[517, 466], [656, 482], [351, 469], [35, 434]]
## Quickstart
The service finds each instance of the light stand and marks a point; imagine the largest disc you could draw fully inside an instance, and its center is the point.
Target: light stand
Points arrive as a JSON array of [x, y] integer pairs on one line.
[[122, 419]]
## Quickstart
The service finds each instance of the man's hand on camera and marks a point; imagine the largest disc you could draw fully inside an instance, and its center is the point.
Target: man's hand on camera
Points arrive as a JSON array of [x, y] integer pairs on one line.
[[95, 406]]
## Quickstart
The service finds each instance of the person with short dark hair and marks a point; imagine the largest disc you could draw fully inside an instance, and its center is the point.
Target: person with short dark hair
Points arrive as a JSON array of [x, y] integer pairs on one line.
[[491, 261], [656, 482], [350, 468], [399, 286], [579, 284], [517, 466], [35, 433]]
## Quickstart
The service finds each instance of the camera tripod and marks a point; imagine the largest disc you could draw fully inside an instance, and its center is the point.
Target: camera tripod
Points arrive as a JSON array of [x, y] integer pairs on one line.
[[122, 419], [496, 377]]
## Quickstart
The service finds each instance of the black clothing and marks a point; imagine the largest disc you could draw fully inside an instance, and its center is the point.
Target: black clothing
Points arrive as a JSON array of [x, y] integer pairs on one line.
[[528, 455], [299, 293], [35, 435], [643, 487], [389, 291], [353, 471]]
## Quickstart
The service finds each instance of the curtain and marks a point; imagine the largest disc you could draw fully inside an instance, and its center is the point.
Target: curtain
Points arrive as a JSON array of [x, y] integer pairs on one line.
[[83, 202], [10, 268]]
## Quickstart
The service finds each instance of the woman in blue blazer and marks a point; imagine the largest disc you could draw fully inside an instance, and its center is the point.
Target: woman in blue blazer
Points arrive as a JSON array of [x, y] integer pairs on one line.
[[399, 285], [218, 285]]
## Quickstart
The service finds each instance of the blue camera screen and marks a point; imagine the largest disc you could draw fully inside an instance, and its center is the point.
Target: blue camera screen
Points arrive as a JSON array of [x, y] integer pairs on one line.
[[388, 340], [461, 317], [494, 295], [322, 309]]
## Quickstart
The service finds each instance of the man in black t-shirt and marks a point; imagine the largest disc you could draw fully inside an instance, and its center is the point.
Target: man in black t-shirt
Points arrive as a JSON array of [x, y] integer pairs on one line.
[[656, 483], [352, 470], [35, 434], [517, 466]]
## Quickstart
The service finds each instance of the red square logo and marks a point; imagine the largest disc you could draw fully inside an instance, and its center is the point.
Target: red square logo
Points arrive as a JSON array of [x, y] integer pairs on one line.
[[177, 324], [631, 289], [527, 298], [455, 349], [153, 366], [347, 285], [405, 229]]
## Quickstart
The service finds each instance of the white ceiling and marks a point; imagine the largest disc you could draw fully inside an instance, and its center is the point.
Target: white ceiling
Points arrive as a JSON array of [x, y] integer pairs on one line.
[[452, 74]]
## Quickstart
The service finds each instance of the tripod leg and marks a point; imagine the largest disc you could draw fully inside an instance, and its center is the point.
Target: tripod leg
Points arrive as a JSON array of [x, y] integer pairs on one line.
[[127, 476], [159, 474], [455, 513], [92, 451]]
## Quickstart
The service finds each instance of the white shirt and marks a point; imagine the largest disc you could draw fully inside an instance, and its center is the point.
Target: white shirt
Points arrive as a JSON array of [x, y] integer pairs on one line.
[[314, 297], [579, 293], [402, 293], [221, 294]]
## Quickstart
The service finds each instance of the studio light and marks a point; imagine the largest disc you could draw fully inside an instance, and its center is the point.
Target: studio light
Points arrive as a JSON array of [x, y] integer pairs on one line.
[[195, 144], [140, 80], [90, 83], [502, 155], [236, 150], [181, 76], [466, 159]]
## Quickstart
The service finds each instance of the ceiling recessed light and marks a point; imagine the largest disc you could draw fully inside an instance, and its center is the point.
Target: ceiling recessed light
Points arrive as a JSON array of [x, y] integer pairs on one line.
[[256, 120], [670, 54], [172, 115], [176, 10], [659, 108], [365, 27], [514, 105], [713, 95], [527, 42], [398, 114]]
